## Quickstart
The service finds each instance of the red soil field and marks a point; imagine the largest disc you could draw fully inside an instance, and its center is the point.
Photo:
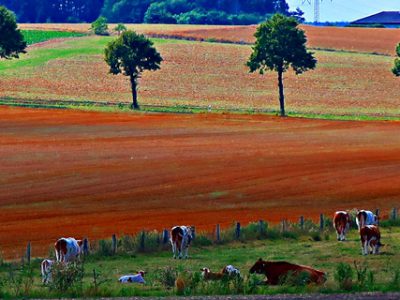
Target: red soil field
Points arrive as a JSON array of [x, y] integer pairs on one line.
[[372, 40], [75, 173]]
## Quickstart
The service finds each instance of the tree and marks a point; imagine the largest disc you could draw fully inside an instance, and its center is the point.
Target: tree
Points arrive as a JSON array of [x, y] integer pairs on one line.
[[280, 45], [12, 41], [131, 54], [396, 68], [120, 28], [100, 26]]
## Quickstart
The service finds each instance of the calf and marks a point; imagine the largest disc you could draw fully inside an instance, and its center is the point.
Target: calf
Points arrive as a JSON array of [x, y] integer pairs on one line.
[[137, 278], [365, 217], [279, 270], [67, 249], [370, 239], [45, 270], [341, 222], [181, 237], [228, 271]]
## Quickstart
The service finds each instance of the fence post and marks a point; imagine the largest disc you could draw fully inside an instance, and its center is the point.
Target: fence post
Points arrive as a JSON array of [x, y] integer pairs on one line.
[[142, 240], [85, 247], [193, 232], [165, 236], [321, 222], [28, 252], [301, 222], [261, 227], [218, 233], [394, 214], [237, 231], [377, 215], [114, 244], [284, 225]]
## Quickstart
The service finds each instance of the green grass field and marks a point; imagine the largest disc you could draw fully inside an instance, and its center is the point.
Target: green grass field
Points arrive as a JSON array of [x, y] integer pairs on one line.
[[325, 255], [38, 36]]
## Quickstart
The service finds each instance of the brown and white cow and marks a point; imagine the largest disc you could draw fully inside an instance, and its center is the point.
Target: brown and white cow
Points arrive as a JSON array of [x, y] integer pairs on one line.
[[277, 271], [365, 217], [45, 270], [341, 222], [67, 249], [181, 237], [370, 239]]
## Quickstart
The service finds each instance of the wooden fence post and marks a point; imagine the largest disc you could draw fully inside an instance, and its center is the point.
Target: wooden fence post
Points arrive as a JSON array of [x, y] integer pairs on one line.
[[394, 214], [301, 222], [261, 227], [237, 231], [218, 233], [85, 247], [321, 222], [377, 215], [142, 240], [193, 232], [165, 236], [28, 252], [114, 244]]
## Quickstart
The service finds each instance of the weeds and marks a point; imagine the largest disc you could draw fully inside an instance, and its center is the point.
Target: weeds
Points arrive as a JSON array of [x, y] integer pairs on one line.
[[344, 276]]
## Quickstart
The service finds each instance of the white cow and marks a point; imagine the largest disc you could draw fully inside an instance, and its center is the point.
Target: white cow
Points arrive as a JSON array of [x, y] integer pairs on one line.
[[67, 249], [181, 237], [365, 217], [137, 278], [45, 268]]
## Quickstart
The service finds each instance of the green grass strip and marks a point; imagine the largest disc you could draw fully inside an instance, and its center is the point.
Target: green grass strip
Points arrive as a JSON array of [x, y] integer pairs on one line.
[[38, 36]]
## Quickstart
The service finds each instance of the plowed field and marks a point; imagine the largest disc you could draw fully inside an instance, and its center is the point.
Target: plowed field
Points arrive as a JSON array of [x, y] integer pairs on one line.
[[72, 173]]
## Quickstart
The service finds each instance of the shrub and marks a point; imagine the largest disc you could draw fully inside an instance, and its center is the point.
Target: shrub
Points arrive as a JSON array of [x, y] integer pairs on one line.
[[100, 27], [67, 277], [20, 279], [344, 276], [119, 29], [167, 276]]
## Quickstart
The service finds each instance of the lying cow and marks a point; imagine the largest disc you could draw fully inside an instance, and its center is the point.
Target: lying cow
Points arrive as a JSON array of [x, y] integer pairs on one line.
[[277, 271], [341, 222], [370, 239], [67, 249], [45, 270], [181, 237], [365, 217], [228, 271], [137, 278]]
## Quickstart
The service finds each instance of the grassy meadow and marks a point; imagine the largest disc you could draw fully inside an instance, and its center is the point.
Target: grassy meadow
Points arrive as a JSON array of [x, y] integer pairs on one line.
[[37, 36]]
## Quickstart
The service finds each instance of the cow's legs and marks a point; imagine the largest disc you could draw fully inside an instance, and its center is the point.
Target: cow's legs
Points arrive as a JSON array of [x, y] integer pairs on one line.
[[173, 249], [364, 247], [186, 251]]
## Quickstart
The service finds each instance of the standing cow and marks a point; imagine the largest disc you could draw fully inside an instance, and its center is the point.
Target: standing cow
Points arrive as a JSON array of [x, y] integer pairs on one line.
[[67, 249], [365, 217], [370, 239], [341, 222], [181, 237], [45, 270]]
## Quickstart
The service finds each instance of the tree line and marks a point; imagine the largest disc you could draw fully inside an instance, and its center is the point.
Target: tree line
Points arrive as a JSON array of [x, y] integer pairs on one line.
[[149, 11]]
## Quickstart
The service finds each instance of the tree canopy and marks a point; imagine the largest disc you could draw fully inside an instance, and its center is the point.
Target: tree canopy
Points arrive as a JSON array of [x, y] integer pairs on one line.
[[11, 39], [280, 45], [396, 68], [131, 54]]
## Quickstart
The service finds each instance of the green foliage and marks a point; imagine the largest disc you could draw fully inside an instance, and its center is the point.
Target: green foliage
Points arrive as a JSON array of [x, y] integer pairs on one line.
[[120, 28], [158, 13], [11, 39], [396, 68], [280, 45], [38, 36], [167, 276], [67, 277], [131, 54], [344, 276], [20, 279], [100, 26]]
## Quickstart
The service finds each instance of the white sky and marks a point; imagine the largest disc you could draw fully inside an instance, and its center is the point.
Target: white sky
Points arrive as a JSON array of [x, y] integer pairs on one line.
[[344, 10]]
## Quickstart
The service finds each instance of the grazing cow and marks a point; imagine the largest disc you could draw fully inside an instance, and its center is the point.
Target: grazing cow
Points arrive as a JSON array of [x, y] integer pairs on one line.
[[365, 217], [341, 222], [45, 269], [181, 237], [370, 238], [137, 278], [279, 270], [67, 249]]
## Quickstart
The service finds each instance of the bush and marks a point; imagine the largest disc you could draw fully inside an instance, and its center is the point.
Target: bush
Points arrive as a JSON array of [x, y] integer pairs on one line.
[[100, 27], [67, 277], [158, 13], [167, 276], [20, 279], [344, 276]]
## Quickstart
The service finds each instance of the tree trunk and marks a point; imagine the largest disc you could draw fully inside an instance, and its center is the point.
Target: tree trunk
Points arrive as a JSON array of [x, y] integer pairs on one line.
[[281, 95], [135, 104]]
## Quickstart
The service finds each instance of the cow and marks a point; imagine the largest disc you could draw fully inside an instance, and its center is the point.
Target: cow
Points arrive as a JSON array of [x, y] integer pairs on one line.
[[45, 269], [227, 272], [370, 237], [181, 237], [137, 278], [67, 249], [277, 271], [341, 222], [365, 217]]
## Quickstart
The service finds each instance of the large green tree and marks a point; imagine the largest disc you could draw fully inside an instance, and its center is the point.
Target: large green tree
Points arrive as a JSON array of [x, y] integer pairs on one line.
[[396, 68], [280, 44], [12, 42], [131, 54]]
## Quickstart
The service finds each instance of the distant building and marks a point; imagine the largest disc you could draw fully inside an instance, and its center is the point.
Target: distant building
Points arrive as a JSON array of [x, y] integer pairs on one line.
[[385, 18]]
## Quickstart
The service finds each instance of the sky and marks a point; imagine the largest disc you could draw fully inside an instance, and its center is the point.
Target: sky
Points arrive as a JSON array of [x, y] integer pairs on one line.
[[343, 10]]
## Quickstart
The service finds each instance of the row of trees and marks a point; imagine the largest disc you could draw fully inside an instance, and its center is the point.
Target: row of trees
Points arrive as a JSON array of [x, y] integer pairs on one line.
[[149, 11]]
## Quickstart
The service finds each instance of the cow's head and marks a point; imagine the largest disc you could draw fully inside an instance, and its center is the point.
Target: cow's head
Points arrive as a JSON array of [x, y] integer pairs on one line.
[[141, 272], [259, 267], [190, 233]]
